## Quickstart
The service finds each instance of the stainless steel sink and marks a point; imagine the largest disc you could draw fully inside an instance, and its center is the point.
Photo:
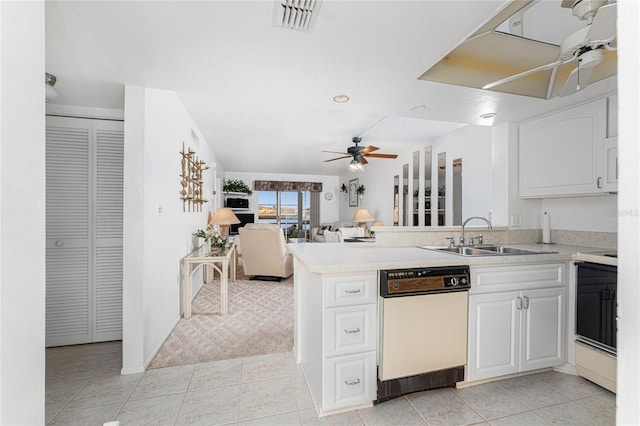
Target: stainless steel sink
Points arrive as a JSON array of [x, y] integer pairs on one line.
[[496, 250], [464, 251], [512, 250]]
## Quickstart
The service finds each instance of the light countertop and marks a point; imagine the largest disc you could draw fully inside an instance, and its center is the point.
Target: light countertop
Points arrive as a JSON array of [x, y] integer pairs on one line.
[[329, 258]]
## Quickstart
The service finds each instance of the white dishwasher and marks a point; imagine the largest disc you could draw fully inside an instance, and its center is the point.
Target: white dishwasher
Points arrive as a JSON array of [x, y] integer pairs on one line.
[[423, 329]]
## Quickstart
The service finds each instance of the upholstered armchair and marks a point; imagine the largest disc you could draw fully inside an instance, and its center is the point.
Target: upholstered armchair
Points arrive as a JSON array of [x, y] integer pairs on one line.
[[264, 251]]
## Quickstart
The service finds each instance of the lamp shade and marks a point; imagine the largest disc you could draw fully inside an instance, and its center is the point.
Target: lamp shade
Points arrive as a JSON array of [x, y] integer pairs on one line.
[[224, 216], [363, 215]]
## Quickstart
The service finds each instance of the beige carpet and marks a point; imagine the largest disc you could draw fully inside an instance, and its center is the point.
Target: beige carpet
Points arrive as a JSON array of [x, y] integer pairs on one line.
[[260, 321]]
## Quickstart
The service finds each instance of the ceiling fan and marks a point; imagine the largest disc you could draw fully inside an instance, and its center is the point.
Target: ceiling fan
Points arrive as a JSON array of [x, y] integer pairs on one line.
[[586, 45], [359, 154]]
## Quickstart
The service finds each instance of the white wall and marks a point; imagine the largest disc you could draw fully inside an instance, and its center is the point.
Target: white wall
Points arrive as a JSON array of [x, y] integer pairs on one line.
[[328, 209], [628, 412], [597, 213], [156, 125], [471, 143], [22, 215]]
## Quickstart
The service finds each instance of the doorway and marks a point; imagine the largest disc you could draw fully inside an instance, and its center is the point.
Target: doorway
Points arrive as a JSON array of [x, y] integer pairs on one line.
[[84, 199]]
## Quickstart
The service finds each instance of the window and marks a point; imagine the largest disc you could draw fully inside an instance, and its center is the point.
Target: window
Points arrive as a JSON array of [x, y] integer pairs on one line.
[[288, 209]]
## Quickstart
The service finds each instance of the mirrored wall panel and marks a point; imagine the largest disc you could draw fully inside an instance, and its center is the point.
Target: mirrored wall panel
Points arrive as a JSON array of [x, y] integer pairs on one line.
[[396, 200], [427, 186], [442, 187], [456, 193], [405, 195], [416, 187]]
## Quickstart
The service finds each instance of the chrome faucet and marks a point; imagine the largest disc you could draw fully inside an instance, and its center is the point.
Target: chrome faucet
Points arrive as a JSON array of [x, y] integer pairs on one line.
[[465, 224]]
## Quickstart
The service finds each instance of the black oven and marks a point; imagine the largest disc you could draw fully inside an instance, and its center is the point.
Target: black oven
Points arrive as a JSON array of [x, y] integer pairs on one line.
[[596, 305]]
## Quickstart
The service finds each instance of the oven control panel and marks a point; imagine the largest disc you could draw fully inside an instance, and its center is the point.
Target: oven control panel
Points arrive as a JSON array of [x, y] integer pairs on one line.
[[405, 282]]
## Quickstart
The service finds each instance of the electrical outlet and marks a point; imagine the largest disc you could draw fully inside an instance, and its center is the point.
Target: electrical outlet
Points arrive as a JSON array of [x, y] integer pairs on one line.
[[516, 220]]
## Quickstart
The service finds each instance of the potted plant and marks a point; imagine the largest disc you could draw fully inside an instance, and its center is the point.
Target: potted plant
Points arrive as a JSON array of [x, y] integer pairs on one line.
[[236, 185], [344, 189], [212, 237]]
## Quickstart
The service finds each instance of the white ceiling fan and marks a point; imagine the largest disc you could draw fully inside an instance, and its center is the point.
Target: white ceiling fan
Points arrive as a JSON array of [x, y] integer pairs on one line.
[[585, 45]]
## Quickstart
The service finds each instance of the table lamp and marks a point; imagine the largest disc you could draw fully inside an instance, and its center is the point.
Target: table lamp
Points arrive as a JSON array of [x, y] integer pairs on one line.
[[224, 217], [362, 216]]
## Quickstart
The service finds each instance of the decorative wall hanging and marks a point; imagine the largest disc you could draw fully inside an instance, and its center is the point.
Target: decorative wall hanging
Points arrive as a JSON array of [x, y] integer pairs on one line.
[[353, 195], [191, 181]]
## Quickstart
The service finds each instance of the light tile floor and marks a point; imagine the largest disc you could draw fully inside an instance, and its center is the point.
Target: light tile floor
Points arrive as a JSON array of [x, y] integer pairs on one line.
[[84, 387]]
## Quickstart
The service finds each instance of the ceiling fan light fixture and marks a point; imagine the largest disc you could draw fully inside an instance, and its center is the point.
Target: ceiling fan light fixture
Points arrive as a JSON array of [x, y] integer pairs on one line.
[[340, 99], [356, 166]]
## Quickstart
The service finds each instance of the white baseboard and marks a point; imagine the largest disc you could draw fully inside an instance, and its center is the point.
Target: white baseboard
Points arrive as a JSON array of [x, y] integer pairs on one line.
[[132, 370], [157, 348]]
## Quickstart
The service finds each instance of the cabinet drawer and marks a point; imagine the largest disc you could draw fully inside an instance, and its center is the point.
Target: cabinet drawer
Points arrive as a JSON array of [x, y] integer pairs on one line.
[[351, 380], [351, 290], [522, 277], [350, 330]]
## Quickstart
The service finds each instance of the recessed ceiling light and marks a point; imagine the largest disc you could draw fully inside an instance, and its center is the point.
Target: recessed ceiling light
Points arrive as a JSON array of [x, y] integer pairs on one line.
[[488, 115], [341, 99], [418, 108]]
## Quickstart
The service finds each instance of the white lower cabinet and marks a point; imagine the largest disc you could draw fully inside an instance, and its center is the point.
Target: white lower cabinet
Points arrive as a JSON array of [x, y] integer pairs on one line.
[[515, 331], [338, 338]]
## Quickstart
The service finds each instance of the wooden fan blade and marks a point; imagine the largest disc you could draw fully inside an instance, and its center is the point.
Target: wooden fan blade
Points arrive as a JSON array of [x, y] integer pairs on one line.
[[336, 152], [363, 160], [338, 158], [369, 149], [382, 155]]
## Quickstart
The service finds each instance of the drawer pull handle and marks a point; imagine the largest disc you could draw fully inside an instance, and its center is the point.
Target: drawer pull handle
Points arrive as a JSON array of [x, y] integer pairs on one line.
[[352, 383], [357, 330], [356, 291]]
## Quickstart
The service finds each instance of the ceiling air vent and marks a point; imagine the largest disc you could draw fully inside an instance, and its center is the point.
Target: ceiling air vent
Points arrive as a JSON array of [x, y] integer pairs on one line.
[[298, 15]]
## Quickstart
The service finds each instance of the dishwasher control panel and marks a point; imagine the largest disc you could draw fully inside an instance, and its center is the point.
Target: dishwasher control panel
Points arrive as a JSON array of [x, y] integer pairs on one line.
[[413, 281]]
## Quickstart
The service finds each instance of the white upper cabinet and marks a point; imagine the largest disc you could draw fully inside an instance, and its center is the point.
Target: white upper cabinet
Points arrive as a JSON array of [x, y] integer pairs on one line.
[[563, 153]]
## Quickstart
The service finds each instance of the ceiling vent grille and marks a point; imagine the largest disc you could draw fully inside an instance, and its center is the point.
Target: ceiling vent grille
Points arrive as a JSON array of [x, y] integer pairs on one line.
[[297, 15]]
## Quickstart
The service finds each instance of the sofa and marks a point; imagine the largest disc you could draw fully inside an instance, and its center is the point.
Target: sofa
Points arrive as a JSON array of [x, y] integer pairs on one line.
[[347, 228]]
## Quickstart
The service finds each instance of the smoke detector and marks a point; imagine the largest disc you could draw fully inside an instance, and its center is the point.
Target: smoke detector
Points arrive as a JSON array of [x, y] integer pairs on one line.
[[297, 15]]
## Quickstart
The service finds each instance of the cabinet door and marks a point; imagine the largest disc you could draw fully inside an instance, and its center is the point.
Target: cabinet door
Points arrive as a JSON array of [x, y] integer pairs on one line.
[[494, 327], [610, 175], [561, 153], [542, 329]]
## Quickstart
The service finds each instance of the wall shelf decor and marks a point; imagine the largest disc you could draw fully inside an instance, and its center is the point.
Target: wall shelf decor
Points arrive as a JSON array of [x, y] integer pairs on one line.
[[191, 181]]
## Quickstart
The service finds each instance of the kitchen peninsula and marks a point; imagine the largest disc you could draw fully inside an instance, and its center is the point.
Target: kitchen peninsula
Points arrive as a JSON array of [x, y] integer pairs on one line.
[[337, 313]]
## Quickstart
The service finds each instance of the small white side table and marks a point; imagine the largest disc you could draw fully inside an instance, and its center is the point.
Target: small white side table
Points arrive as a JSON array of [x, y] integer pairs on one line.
[[220, 262]]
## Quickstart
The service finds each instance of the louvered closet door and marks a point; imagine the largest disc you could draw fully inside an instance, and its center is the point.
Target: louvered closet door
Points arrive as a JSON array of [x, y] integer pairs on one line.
[[109, 137], [84, 230]]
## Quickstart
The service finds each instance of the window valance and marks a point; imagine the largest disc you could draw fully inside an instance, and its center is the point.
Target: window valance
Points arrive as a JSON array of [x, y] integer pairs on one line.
[[277, 185]]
